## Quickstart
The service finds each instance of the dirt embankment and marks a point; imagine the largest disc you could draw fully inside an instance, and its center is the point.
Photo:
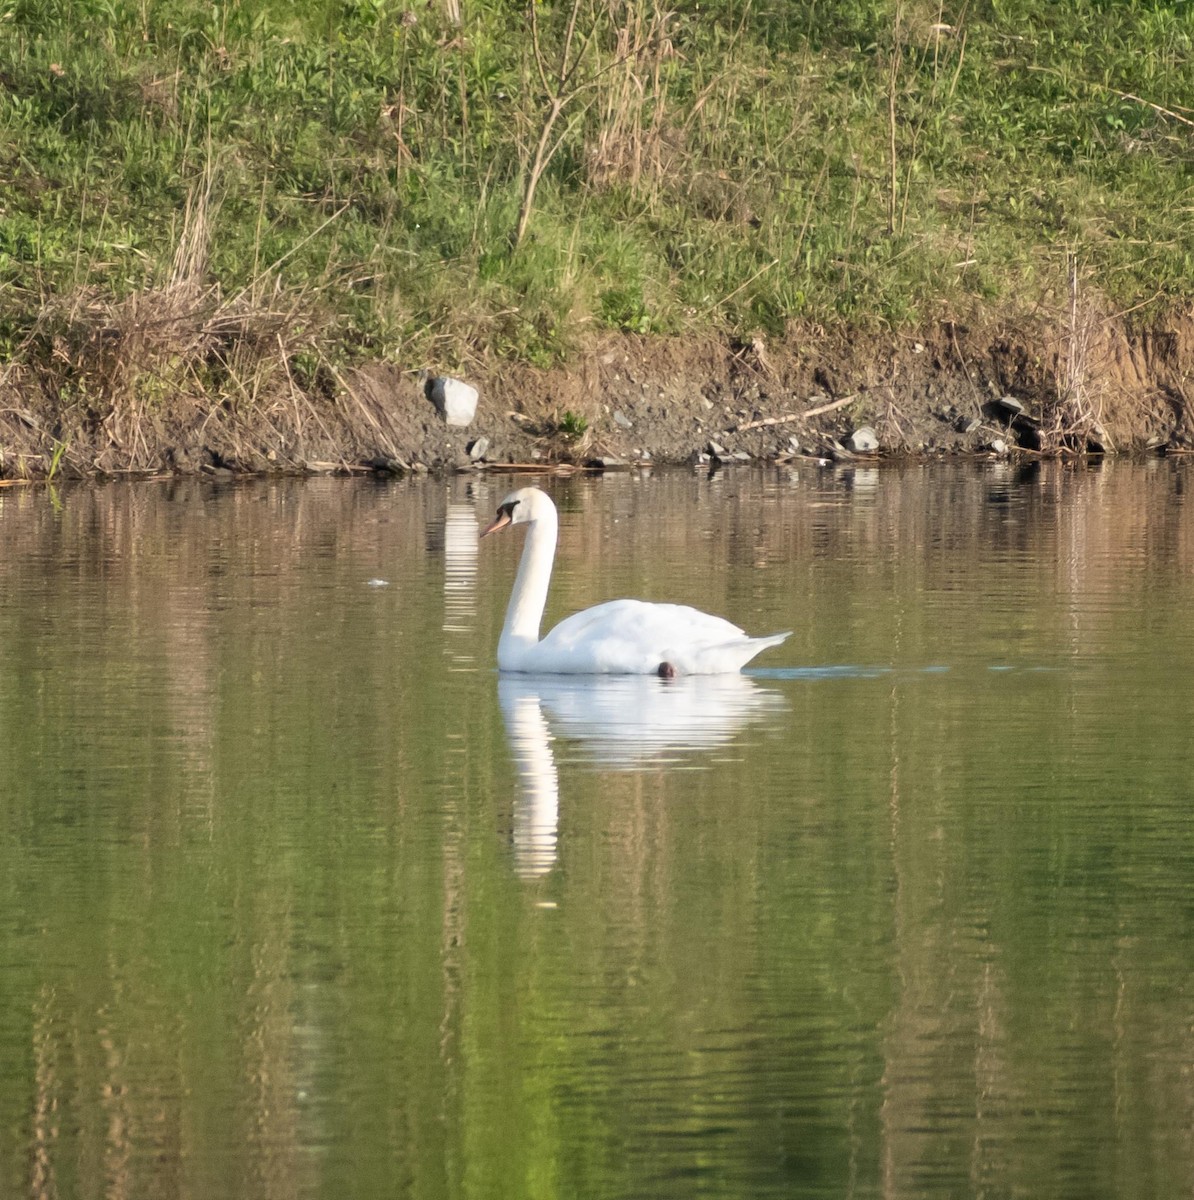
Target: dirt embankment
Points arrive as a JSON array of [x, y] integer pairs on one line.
[[1097, 386]]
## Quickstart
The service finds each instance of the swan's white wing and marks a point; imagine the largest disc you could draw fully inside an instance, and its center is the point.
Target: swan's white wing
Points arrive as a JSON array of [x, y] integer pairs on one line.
[[633, 637]]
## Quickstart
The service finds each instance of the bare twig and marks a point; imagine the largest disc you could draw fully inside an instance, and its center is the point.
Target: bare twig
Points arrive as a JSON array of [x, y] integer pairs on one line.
[[820, 409], [563, 87], [744, 284], [893, 76], [1157, 108]]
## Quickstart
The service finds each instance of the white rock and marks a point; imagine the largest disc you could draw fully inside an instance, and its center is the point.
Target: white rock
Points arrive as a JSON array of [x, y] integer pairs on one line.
[[454, 400], [864, 440]]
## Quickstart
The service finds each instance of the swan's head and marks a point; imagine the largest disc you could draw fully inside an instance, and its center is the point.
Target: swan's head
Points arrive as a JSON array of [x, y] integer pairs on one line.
[[520, 508]]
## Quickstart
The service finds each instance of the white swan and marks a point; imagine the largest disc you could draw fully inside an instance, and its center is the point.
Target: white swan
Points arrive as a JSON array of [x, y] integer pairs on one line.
[[623, 637]]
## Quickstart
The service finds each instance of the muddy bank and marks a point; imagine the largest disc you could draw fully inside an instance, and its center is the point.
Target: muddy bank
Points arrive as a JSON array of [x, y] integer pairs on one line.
[[1098, 387]]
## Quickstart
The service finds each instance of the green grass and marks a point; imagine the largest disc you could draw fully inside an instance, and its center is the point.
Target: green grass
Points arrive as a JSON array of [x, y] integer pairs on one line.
[[366, 162], [571, 425]]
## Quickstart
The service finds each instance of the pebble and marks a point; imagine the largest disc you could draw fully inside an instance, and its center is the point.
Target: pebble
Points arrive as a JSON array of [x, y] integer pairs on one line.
[[1010, 404], [998, 446], [620, 418], [477, 448], [967, 424], [716, 450]]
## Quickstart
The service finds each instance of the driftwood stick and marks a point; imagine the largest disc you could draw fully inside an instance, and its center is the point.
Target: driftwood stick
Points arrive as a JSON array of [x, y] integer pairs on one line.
[[535, 468], [812, 412]]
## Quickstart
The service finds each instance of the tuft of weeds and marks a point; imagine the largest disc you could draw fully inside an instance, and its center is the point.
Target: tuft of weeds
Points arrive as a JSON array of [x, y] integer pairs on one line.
[[571, 425]]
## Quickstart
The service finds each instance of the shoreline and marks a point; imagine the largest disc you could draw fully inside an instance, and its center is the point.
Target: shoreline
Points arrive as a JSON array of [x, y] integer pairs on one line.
[[629, 400]]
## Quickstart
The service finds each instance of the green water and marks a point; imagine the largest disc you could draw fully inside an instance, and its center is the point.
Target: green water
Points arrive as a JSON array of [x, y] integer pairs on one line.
[[297, 899]]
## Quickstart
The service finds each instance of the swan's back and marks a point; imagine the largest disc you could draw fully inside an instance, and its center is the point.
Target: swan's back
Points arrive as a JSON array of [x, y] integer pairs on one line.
[[634, 637]]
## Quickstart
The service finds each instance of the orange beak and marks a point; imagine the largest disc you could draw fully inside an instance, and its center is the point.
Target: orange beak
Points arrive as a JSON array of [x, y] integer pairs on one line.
[[498, 522]]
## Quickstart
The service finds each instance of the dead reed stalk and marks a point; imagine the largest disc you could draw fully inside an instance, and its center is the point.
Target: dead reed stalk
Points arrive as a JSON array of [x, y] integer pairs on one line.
[[1076, 419], [631, 140]]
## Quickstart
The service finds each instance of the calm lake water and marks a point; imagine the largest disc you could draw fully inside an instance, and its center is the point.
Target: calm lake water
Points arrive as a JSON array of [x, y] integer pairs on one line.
[[299, 899]]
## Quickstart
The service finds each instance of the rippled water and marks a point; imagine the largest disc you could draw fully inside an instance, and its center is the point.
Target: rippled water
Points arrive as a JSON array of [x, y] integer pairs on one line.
[[298, 898]]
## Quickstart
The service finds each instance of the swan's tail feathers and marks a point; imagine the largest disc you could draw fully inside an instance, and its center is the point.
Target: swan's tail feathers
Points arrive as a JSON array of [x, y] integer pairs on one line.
[[757, 645], [733, 656]]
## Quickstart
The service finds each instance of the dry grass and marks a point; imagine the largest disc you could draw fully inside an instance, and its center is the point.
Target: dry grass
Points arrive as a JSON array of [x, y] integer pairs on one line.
[[111, 370], [634, 138]]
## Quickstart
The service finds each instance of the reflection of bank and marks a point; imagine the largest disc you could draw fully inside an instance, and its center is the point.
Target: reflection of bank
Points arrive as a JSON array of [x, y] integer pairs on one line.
[[619, 723]]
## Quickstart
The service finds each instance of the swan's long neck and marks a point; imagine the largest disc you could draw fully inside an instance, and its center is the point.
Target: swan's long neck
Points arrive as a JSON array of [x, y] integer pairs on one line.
[[525, 610]]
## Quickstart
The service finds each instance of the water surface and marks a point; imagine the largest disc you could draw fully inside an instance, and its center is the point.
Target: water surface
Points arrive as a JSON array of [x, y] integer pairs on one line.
[[299, 899]]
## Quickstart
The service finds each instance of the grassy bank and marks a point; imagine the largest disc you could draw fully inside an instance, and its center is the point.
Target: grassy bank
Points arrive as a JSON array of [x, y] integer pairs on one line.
[[217, 197]]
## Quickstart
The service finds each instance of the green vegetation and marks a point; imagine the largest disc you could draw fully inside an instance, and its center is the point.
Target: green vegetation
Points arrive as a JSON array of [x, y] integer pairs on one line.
[[571, 425], [186, 189]]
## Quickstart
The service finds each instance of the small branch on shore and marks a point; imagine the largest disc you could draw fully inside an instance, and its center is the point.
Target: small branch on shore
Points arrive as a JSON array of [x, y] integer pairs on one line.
[[766, 422], [536, 468], [730, 295]]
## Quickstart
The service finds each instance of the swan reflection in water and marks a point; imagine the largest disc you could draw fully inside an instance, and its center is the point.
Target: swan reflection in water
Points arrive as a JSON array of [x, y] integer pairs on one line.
[[618, 723]]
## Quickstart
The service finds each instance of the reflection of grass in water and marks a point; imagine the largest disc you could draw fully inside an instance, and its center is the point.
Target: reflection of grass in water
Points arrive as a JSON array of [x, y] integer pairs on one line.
[[241, 837]]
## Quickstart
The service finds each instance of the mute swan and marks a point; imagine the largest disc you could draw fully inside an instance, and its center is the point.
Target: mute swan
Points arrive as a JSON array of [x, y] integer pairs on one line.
[[623, 637]]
